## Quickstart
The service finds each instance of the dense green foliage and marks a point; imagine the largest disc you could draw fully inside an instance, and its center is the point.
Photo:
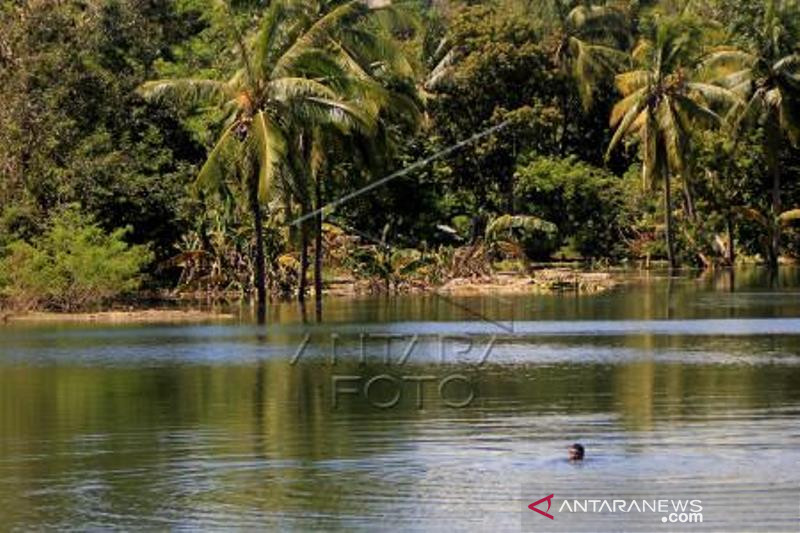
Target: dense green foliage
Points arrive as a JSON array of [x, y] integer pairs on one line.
[[73, 264], [641, 130], [591, 207]]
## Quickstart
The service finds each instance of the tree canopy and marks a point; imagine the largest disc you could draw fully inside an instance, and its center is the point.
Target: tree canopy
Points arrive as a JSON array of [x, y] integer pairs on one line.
[[640, 130]]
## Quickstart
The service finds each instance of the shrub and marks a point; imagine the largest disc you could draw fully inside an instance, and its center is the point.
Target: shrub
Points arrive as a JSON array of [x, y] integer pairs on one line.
[[72, 265], [590, 206]]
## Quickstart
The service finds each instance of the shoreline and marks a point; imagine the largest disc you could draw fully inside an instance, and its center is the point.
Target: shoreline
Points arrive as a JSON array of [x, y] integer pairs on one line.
[[546, 281], [149, 307], [149, 315], [542, 281]]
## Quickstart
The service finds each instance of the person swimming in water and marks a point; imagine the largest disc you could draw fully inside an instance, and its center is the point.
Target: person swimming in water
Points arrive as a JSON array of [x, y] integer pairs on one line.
[[575, 452]]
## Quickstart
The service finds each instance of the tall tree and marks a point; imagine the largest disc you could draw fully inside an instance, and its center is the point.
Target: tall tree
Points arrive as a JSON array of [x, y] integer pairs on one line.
[[767, 77], [72, 128], [661, 105], [288, 74], [591, 44], [398, 114]]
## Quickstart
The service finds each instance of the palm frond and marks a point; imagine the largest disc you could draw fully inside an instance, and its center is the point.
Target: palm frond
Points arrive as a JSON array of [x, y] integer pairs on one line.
[[628, 82], [403, 108], [696, 113], [340, 114], [599, 23], [347, 62], [673, 134], [591, 64], [625, 124], [321, 65], [188, 92], [642, 51], [738, 81], [622, 107], [320, 31], [714, 95], [787, 217], [269, 144], [749, 113], [790, 63], [273, 25], [727, 58], [290, 88], [211, 175]]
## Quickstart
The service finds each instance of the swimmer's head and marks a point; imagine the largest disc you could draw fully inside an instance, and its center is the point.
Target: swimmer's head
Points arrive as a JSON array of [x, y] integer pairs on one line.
[[575, 452]]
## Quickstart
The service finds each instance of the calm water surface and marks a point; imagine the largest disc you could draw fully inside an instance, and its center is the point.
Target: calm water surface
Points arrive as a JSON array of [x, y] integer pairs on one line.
[[676, 387]]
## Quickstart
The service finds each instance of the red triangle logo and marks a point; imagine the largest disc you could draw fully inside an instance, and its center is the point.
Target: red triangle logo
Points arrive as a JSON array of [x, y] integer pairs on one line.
[[547, 499]]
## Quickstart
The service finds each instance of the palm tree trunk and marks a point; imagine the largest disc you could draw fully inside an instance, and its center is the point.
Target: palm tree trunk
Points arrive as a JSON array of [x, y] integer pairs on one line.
[[730, 201], [260, 266], [775, 244], [303, 282], [318, 246], [668, 220]]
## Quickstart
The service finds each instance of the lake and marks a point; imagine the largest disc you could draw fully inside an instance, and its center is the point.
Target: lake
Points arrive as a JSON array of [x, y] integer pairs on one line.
[[416, 412]]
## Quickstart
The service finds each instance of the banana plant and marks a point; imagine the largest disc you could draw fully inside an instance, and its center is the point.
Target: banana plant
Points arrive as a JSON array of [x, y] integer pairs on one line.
[[535, 237]]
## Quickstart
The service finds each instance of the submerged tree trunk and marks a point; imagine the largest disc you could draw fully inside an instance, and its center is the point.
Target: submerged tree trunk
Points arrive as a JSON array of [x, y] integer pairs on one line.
[[318, 246], [260, 266], [303, 282], [668, 220]]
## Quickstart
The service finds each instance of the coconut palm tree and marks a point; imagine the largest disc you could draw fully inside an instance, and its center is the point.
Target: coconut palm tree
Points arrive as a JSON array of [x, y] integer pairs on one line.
[[291, 71], [768, 80], [398, 112], [591, 44], [661, 105], [380, 82]]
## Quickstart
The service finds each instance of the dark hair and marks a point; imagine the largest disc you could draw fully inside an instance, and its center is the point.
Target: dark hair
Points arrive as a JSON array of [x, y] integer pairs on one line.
[[576, 450]]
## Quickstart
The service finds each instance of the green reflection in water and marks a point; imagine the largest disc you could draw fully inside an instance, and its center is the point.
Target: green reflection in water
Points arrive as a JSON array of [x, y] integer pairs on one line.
[[239, 437]]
